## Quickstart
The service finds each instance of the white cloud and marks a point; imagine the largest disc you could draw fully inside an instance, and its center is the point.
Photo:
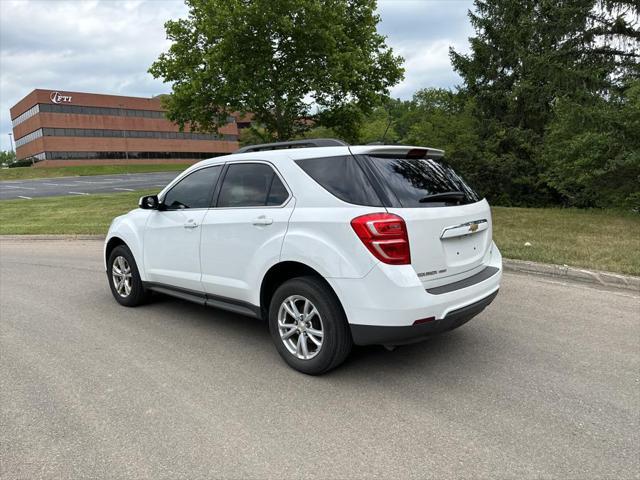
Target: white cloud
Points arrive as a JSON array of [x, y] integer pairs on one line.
[[422, 32], [107, 46], [95, 46], [427, 65]]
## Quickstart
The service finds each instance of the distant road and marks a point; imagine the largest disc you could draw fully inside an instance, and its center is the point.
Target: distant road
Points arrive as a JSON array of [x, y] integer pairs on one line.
[[542, 384], [87, 185]]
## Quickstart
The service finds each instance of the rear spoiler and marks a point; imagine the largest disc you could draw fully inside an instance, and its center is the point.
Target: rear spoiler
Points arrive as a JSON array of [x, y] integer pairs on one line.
[[397, 151]]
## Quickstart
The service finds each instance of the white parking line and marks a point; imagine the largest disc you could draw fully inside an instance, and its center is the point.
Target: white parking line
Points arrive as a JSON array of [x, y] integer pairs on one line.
[[13, 186], [78, 193], [101, 182], [105, 182], [133, 182], [125, 189], [26, 198]]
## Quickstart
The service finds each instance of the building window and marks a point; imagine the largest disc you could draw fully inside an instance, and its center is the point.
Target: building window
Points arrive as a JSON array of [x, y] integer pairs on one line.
[[80, 110], [130, 155], [29, 137], [26, 115], [92, 132]]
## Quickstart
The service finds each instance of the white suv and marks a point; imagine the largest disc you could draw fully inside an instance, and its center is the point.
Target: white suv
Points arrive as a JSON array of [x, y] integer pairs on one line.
[[331, 244]]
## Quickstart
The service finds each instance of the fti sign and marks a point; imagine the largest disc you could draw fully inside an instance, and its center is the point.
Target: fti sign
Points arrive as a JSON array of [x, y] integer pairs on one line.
[[57, 97]]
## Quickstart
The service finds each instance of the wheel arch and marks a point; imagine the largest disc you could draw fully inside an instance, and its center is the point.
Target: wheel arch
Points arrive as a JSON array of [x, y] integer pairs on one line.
[[280, 273], [128, 230], [111, 244]]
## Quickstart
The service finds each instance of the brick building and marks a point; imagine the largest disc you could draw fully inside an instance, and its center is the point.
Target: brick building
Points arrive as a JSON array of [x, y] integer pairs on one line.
[[56, 128]]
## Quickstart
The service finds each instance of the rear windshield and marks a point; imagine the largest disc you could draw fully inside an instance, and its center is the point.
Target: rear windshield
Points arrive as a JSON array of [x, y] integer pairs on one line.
[[423, 182]]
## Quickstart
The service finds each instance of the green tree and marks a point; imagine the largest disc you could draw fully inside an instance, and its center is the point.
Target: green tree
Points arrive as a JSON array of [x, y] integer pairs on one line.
[[7, 157], [601, 138], [444, 119], [318, 132], [253, 135], [274, 58], [527, 56], [378, 127]]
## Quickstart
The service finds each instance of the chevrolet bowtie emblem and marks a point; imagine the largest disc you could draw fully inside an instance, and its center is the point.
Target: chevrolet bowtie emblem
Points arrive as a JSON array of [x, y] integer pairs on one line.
[[473, 227]]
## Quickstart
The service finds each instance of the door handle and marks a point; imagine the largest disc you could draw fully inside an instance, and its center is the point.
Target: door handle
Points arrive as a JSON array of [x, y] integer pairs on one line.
[[262, 220], [191, 224]]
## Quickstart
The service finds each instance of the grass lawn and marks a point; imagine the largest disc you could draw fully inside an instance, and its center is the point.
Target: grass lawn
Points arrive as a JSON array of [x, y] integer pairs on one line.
[[86, 214], [23, 173], [596, 239], [602, 240]]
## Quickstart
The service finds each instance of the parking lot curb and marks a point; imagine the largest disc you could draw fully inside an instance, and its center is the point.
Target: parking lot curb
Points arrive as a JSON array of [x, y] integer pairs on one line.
[[608, 279], [16, 238], [566, 272]]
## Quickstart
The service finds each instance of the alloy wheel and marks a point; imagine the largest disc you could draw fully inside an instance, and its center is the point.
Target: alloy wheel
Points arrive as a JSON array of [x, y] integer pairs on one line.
[[300, 327], [121, 276]]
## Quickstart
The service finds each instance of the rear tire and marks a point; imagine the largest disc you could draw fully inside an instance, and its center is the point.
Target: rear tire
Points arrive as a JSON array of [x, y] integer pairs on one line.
[[124, 278], [308, 326]]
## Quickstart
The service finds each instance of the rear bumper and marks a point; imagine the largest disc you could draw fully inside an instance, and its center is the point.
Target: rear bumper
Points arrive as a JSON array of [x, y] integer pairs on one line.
[[394, 296], [382, 335]]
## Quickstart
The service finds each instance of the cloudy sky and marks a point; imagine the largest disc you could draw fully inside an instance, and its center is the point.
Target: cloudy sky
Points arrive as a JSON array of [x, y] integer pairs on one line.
[[106, 46]]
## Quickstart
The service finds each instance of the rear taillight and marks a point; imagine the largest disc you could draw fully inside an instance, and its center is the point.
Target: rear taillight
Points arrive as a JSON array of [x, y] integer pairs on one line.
[[385, 236]]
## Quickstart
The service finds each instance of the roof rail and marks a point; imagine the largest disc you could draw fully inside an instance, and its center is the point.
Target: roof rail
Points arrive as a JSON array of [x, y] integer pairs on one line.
[[311, 142]]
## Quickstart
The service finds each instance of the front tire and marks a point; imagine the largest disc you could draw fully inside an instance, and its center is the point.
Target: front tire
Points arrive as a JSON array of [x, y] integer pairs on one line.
[[124, 278], [308, 326]]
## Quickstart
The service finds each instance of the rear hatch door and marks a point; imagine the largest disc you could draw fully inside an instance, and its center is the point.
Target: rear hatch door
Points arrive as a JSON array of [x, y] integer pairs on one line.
[[447, 241], [449, 226]]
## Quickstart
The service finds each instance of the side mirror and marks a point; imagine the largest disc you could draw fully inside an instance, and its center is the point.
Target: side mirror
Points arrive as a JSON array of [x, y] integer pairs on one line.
[[150, 202]]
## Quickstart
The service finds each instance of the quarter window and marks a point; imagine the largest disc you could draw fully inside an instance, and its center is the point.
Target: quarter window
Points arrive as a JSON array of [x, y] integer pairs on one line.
[[343, 178], [251, 185], [193, 191]]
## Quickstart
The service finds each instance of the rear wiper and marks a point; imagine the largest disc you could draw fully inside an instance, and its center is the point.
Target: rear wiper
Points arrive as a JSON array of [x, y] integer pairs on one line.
[[443, 197]]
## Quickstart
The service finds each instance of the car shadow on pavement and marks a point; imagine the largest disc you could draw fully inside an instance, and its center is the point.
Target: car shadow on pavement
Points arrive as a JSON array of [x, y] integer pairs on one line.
[[461, 349], [431, 355]]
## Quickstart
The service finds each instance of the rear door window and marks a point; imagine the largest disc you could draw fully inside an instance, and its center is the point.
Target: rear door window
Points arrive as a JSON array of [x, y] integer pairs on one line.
[[251, 185], [343, 178], [423, 182]]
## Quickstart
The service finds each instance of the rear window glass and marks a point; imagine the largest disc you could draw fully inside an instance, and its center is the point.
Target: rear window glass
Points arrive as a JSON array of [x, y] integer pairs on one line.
[[423, 182], [342, 177], [251, 185]]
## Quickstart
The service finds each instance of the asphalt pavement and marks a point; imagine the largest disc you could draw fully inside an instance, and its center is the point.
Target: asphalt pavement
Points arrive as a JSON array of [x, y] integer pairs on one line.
[[545, 383], [85, 185]]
